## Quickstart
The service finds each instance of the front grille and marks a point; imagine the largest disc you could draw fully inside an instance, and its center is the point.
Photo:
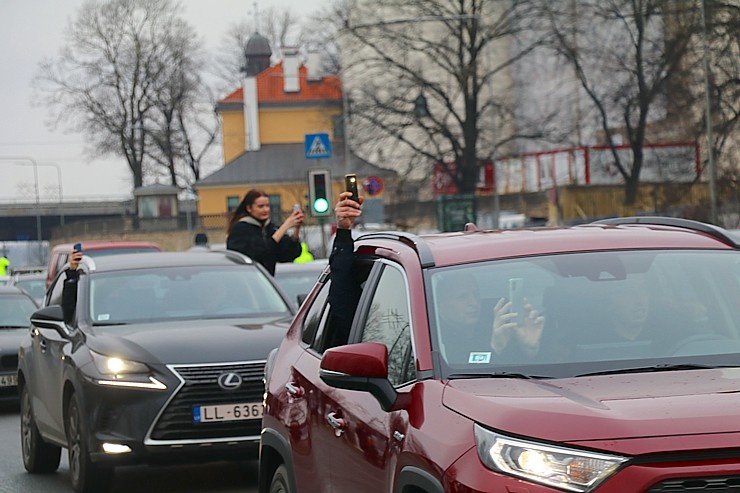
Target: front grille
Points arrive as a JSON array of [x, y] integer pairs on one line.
[[722, 484], [200, 387], [9, 362]]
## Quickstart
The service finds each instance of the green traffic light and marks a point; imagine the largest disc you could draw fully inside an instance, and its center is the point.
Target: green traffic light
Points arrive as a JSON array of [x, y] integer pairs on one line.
[[321, 205]]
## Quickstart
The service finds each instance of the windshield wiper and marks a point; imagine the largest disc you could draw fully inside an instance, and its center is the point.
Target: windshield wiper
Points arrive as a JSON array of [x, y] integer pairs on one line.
[[654, 368], [14, 327], [498, 374]]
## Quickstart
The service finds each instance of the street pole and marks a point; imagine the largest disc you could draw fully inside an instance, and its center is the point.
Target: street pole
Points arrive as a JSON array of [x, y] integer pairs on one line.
[[61, 197], [36, 188], [710, 144]]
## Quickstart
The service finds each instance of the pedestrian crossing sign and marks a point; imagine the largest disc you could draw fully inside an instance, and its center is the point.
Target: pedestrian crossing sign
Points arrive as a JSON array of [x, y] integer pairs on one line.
[[317, 146]]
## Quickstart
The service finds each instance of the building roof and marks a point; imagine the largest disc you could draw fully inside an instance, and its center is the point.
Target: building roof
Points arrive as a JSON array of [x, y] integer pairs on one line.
[[287, 163], [270, 89]]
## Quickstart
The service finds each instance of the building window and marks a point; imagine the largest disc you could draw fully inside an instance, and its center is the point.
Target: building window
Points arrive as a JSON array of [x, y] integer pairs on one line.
[[232, 202], [337, 122], [275, 209]]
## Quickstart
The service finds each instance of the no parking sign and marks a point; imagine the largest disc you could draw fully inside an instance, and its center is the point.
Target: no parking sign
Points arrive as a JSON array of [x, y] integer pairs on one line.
[[373, 185]]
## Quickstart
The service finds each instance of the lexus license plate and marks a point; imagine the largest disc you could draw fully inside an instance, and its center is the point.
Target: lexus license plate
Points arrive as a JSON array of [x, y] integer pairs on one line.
[[8, 380], [227, 412]]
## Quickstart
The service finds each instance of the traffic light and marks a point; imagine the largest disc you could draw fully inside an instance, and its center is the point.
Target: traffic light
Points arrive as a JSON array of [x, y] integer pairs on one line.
[[319, 192]]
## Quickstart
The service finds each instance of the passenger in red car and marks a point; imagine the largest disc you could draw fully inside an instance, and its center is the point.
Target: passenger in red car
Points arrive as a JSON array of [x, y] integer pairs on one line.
[[470, 329]]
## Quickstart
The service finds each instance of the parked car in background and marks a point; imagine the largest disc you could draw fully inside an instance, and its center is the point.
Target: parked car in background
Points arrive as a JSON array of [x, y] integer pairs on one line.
[[164, 362], [16, 307], [622, 375], [59, 255], [33, 283], [298, 279]]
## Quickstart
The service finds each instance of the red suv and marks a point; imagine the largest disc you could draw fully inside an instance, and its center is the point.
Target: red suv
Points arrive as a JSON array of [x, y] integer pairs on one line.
[[596, 358]]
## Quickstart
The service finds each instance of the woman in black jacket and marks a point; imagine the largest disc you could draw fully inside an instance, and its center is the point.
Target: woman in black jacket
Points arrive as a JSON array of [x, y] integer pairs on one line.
[[251, 232]]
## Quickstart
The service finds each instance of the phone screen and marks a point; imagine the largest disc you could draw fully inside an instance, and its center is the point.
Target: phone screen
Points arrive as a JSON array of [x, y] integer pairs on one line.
[[350, 182], [77, 247], [516, 296]]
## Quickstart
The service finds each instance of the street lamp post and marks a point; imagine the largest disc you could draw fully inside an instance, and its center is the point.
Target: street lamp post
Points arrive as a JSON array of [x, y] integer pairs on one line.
[[36, 187], [59, 181]]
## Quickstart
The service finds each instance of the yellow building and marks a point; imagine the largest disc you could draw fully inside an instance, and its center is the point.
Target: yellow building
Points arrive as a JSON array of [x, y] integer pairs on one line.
[[265, 124]]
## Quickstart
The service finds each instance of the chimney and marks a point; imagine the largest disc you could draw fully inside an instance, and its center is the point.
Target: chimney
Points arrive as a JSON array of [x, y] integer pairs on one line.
[[290, 69], [251, 115], [313, 66]]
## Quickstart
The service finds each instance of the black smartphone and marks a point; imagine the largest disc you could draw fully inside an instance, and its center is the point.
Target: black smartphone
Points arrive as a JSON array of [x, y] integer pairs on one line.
[[350, 184], [77, 247]]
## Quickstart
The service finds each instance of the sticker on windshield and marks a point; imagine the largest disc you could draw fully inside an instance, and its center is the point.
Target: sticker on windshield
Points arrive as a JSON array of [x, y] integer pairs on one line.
[[479, 358], [103, 316]]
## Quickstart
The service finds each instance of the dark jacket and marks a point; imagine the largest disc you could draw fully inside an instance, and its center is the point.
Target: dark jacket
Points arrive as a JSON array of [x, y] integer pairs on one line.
[[69, 295], [344, 291], [247, 236]]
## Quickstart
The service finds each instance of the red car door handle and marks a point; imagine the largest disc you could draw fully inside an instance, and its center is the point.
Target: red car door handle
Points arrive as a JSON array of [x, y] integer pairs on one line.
[[293, 390], [337, 423]]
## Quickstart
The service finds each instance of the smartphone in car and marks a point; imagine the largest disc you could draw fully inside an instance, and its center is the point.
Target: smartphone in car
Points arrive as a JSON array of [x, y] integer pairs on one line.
[[350, 182], [296, 207], [77, 247], [516, 297]]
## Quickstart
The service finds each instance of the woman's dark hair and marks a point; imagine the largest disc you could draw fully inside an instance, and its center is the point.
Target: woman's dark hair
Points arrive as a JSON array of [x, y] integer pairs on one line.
[[241, 209]]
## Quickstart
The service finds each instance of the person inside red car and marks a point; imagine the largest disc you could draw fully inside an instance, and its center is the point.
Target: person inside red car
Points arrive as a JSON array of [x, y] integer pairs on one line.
[[469, 329]]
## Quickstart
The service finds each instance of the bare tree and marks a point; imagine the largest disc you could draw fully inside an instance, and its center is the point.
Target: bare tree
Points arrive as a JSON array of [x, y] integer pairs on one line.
[[182, 126], [625, 54], [123, 66], [432, 77]]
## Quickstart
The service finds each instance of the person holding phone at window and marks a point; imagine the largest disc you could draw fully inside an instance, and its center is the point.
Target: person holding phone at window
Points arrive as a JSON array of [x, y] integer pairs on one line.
[[250, 232]]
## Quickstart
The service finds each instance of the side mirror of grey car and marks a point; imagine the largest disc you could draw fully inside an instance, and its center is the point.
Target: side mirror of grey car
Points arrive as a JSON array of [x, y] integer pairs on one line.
[[50, 317]]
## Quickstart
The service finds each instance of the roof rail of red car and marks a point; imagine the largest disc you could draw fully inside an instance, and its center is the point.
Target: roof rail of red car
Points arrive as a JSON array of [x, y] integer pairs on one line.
[[678, 222], [416, 242]]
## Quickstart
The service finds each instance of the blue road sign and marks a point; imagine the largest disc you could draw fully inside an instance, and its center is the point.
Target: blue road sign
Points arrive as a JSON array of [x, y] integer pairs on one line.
[[317, 146]]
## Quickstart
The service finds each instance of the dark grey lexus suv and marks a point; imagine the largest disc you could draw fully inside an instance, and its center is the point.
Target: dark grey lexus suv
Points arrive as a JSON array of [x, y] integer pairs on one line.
[[163, 361]]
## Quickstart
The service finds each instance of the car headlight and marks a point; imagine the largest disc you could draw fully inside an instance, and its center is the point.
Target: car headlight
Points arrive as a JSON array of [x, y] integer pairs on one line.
[[120, 372], [114, 366], [569, 469]]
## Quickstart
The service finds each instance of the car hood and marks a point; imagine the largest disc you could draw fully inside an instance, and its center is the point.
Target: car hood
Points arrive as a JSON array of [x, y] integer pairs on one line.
[[10, 340], [191, 341], [604, 408]]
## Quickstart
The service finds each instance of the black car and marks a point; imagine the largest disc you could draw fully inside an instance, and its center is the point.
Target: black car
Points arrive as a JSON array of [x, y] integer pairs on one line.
[[163, 362], [16, 307]]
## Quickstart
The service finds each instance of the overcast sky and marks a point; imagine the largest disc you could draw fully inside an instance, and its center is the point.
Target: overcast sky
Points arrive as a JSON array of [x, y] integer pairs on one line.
[[33, 29]]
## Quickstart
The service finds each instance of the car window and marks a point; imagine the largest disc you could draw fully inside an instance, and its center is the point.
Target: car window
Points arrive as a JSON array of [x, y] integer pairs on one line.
[[34, 287], [182, 293], [16, 311], [388, 322], [54, 295], [315, 320], [595, 308]]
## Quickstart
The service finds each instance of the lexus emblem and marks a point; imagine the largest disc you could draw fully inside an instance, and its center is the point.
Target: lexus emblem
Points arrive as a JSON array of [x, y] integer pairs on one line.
[[229, 381]]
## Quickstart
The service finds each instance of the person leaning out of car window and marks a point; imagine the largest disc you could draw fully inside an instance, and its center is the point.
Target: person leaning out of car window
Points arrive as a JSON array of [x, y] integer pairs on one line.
[[250, 232], [462, 309], [69, 290]]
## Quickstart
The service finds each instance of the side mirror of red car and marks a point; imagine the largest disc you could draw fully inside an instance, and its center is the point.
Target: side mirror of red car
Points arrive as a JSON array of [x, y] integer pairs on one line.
[[362, 366]]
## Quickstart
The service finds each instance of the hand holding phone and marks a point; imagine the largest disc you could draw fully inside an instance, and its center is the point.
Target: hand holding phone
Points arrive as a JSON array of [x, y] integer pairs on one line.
[[350, 182], [296, 207]]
